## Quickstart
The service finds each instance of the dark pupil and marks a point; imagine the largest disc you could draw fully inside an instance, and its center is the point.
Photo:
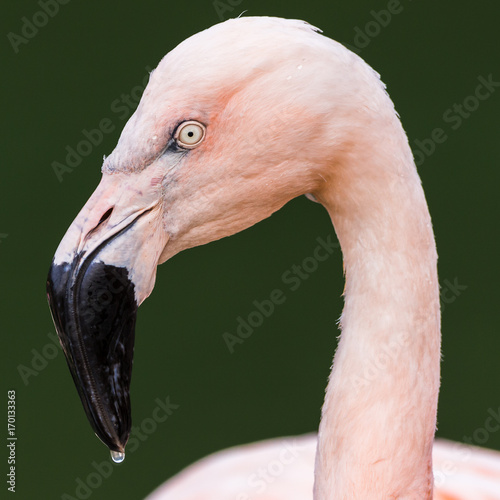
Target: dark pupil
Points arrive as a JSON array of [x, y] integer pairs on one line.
[[190, 134]]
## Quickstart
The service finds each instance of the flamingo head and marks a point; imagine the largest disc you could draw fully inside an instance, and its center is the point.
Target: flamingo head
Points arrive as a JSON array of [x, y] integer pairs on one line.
[[234, 122]]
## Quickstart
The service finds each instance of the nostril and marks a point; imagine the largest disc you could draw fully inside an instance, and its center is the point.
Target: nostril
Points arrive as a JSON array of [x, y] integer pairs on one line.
[[105, 217]]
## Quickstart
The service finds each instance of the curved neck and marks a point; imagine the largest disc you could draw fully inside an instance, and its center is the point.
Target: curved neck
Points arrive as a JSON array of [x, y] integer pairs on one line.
[[379, 416]]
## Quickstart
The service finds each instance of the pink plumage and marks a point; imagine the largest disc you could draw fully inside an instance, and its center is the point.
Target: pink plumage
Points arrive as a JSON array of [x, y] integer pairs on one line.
[[283, 469], [235, 122]]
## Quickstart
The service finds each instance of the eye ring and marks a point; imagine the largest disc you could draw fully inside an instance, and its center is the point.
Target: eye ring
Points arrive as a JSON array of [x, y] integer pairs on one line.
[[190, 134]]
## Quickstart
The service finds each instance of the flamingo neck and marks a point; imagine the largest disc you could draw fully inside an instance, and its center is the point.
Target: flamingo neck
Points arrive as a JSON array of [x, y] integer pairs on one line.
[[379, 416]]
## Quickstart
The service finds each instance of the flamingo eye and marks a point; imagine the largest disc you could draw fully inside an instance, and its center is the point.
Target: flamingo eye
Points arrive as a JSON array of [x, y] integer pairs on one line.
[[189, 134]]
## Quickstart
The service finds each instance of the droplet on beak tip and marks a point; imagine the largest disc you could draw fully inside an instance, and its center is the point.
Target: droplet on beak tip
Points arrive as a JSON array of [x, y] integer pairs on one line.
[[117, 456]]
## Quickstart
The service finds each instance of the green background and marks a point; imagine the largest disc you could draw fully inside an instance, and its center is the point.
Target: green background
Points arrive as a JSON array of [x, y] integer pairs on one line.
[[66, 79]]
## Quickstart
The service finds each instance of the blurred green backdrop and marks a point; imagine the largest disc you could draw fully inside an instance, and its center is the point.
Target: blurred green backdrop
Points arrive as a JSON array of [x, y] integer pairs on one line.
[[78, 68]]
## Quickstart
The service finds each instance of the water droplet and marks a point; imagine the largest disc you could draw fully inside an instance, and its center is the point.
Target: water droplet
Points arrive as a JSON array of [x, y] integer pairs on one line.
[[117, 456]]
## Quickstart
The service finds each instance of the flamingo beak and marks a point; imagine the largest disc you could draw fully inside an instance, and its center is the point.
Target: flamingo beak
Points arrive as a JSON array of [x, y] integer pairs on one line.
[[104, 267]]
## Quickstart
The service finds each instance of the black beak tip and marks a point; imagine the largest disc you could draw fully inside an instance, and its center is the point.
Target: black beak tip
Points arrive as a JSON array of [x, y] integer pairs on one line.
[[94, 309]]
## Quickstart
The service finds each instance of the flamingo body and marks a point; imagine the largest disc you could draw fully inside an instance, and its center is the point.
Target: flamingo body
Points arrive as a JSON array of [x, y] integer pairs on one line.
[[283, 469]]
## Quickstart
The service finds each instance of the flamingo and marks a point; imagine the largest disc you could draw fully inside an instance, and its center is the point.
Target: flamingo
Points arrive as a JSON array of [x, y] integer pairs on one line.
[[235, 122]]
